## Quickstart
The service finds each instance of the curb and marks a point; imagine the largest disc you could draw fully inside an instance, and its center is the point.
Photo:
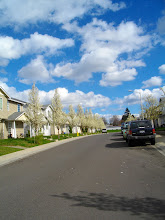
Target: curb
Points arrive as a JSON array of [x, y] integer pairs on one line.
[[10, 158], [159, 146]]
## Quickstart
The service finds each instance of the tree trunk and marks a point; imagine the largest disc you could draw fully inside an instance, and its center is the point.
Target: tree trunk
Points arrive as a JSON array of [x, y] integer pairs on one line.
[[58, 133], [54, 128]]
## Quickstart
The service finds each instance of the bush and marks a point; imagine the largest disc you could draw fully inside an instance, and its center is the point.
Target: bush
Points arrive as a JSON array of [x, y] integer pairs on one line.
[[39, 139], [160, 129]]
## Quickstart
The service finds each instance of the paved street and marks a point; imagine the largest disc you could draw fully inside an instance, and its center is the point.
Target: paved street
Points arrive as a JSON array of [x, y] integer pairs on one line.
[[97, 177]]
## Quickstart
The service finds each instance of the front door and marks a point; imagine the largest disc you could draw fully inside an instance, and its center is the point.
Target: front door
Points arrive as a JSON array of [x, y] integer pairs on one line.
[[10, 129]]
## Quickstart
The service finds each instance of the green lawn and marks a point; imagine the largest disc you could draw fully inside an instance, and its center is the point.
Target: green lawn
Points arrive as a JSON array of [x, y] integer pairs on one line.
[[7, 150], [109, 131]]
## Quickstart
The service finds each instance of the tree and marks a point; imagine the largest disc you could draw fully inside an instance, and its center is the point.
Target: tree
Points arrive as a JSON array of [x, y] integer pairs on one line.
[[91, 120], [58, 117], [72, 118], [85, 121], [151, 108], [104, 120], [115, 121], [162, 90], [81, 117], [126, 114], [35, 118], [131, 118], [101, 124]]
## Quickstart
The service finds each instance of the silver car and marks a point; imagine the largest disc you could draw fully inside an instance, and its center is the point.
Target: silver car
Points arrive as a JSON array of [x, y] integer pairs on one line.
[[124, 131]]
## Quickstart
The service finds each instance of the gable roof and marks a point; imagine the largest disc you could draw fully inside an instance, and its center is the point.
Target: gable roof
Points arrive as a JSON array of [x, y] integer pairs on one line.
[[45, 106], [17, 100], [4, 92], [15, 116], [12, 99]]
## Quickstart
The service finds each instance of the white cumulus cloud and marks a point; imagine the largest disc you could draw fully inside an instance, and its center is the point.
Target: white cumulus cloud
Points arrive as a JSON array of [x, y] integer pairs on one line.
[[102, 45], [35, 71], [153, 81], [18, 12], [87, 100], [11, 48], [137, 95], [117, 77], [162, 69]]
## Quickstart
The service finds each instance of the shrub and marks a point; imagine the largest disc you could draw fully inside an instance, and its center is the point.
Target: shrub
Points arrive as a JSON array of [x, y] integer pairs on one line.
[[39, 139]]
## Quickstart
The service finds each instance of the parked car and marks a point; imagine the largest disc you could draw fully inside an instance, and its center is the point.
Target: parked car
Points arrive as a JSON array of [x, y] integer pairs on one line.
[[140, 131], [122, 125], [124, 131], [104, 130]]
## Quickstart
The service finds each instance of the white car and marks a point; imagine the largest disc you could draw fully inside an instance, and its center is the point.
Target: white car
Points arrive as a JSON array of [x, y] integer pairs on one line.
[[104, 130]]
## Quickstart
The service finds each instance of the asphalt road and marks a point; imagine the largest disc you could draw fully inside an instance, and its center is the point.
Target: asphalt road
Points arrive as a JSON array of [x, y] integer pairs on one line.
[[98, 177]]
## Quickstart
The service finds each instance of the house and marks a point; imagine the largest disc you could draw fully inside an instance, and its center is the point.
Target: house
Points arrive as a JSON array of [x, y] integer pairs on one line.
[[47, 129], [161, 119], [12, 116]]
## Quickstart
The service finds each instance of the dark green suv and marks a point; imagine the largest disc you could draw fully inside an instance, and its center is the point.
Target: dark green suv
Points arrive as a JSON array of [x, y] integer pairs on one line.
[[140, 131]]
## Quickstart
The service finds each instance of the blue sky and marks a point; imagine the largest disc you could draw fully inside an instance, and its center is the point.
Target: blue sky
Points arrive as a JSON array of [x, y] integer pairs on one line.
[[94, 51]]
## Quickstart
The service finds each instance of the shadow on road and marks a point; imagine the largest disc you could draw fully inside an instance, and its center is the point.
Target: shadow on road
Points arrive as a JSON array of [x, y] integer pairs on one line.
[[117, 144], [136, 206]]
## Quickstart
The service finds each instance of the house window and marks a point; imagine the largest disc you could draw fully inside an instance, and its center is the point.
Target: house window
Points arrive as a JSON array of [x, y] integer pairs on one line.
[[19, 107], [1, 103], [7, 105]]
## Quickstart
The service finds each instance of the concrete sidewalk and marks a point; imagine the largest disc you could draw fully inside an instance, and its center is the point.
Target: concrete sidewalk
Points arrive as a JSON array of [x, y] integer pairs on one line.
[[160, 143]]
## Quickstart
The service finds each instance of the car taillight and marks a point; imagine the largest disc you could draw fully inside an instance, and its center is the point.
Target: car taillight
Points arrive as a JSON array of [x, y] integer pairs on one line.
[[130, 132], [153, 131]]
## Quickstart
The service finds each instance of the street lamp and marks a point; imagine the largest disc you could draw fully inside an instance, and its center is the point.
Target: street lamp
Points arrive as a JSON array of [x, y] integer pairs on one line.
[[140, 102]]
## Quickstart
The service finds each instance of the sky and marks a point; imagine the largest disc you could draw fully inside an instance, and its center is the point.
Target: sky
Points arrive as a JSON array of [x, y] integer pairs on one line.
[[102, 54]]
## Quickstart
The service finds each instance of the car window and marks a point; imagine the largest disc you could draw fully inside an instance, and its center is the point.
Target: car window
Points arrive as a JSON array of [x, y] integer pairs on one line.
[[146, 124], [137, 124], [134, 125]]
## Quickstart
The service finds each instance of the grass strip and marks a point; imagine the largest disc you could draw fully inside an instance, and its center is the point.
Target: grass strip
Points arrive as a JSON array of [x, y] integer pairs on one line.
[[110, 131], [7, 150]]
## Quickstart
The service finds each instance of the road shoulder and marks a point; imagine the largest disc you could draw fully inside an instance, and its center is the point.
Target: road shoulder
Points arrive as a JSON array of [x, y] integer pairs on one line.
[[160, 143]]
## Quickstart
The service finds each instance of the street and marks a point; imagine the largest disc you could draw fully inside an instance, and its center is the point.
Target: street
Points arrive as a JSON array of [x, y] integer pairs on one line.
[[97, 177]]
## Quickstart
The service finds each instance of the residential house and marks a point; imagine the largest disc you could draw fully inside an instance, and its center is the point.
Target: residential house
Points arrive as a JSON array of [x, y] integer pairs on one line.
[[47, 129], [12, 116], [161, 119]]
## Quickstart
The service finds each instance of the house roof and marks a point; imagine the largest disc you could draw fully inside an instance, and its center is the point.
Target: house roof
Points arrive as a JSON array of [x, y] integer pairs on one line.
[[17, 100], [12, 99], [15, 116], [4, 92], [45, 106]]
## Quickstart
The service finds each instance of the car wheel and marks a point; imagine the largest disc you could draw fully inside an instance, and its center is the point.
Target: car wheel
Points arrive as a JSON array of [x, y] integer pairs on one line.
[[153, 142], [130, 143]]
